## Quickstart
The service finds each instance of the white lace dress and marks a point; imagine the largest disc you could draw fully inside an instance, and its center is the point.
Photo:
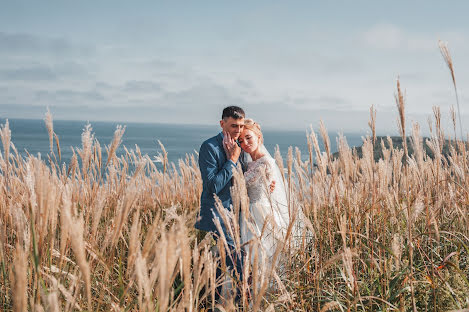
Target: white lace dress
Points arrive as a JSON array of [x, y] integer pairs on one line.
[[268, 216]]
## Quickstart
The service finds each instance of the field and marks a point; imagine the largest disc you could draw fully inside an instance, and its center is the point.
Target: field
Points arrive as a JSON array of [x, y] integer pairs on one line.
[[116, 233], [110, 232]]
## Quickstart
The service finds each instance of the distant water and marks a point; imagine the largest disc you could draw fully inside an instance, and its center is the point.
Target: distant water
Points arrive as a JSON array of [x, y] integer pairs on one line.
[[178, 140]]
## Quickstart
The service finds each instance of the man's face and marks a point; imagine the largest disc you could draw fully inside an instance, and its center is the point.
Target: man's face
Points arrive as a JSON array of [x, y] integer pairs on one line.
[[233, 126]]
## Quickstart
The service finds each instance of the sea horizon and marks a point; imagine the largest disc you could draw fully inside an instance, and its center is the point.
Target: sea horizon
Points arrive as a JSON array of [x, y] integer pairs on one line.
[[31, 135]]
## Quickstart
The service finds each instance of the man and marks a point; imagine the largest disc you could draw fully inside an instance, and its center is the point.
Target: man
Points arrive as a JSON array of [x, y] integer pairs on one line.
[[218, 157]]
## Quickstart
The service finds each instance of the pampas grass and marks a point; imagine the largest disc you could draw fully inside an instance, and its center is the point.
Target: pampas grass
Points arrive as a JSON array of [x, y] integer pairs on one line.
[[449, 62], [384, 235], [126, 239]]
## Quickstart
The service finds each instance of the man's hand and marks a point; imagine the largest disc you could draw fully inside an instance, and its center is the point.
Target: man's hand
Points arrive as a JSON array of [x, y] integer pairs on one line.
[[231, 147], [272, 186]]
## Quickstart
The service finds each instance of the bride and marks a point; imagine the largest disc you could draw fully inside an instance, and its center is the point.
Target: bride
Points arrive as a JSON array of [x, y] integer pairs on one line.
[[269, 214]]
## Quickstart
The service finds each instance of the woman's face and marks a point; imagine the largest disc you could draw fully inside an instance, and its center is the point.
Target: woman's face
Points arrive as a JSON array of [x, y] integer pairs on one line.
[[249, 141]]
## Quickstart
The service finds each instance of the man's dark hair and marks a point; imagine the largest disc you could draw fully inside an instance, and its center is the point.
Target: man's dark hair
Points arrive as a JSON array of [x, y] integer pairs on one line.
[[234, 112]]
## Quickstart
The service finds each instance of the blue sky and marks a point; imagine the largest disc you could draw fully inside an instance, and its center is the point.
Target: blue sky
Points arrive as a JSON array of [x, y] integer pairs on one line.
[[288, 63]]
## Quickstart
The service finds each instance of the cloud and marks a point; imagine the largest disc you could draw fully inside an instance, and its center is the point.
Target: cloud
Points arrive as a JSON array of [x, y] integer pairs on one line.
[[67, 97], [41, 72], [202, 95], [34, 73], [319, 102], [28, 44], [288, 89], [384, 36], [391, 37], [387, 36], [21, 111], [72, 69], [141, 86]]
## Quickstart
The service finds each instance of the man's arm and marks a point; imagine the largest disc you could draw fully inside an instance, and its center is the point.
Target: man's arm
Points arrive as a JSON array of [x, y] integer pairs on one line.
[[215, 179]]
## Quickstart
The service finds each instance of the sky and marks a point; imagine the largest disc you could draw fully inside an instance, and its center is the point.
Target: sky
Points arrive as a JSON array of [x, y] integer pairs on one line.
[[289, 64]]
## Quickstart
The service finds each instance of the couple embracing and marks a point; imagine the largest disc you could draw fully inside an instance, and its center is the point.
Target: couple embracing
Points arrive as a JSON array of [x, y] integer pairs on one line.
[[240, 145]]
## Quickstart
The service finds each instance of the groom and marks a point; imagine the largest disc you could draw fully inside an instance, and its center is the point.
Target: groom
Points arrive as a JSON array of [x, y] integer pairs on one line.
[[218, 157]]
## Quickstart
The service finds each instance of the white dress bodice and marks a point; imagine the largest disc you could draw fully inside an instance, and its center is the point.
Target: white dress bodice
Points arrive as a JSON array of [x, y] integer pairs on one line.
[[258, 177], [268, 211]]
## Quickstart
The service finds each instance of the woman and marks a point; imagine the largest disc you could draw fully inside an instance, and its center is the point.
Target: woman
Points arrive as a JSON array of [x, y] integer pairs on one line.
[[269, 216]]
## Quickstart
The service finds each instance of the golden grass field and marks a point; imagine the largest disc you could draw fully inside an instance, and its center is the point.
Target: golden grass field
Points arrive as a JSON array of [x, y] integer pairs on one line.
[[115, 233]]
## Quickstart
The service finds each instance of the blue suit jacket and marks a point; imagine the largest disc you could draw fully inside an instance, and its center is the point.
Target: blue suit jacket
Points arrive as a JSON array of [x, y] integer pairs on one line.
[[216, 171]]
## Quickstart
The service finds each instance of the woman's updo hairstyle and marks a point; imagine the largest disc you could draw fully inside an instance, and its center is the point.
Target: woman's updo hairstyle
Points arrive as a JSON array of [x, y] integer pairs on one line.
[[250, 124]]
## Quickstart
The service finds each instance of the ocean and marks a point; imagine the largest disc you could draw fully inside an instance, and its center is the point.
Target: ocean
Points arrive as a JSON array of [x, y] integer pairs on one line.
[[31, 136]]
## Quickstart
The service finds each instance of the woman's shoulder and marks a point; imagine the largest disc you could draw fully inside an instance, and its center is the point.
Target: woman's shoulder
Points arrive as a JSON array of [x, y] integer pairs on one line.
[[267, 160], [263, 160]]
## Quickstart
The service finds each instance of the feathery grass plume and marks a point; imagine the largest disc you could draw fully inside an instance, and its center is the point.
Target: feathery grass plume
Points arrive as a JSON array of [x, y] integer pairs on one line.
[[116, 141], [2, 244], [74, 224], [289, 175], [51, 300], [400, 103], [453, 119], [417, 143], [20, 279], [331, 305], [57, 144], [50, 129], [430, 124], [124, 207], [449, 62], [183, 241], [240, 206], [418, 207], [168, 251], [98, 208], [325, 138], [346, 157], [5, 135], [99, 154], [349, 277], [368, 161], [439, 131], [163, 156], [301, 173], [85, 152], [144, 283], [396, 247], [372, 123], [310, 153], [279, 161], [73, 165]]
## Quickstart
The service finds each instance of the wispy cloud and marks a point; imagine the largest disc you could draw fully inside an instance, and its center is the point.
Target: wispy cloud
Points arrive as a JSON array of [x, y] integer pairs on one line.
[[35, 73], [387, 36], [26, 44]]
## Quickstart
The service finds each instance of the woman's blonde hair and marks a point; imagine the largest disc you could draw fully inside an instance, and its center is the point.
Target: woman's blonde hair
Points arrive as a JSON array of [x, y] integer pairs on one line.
[[250, 124]]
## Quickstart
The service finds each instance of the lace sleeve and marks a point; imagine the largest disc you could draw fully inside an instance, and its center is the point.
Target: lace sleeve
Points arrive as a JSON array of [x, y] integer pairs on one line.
[[259, 171], [250, 176]]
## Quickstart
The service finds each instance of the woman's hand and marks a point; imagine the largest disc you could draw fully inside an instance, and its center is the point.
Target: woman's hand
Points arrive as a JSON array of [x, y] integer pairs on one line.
[[272, 186]]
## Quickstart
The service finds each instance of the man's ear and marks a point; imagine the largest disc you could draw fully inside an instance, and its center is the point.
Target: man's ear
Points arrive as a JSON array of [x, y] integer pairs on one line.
[[222, 123]]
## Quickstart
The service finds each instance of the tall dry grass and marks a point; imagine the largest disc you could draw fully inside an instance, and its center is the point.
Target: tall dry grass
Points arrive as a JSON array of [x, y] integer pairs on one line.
[[94, 235], [118, 234]]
